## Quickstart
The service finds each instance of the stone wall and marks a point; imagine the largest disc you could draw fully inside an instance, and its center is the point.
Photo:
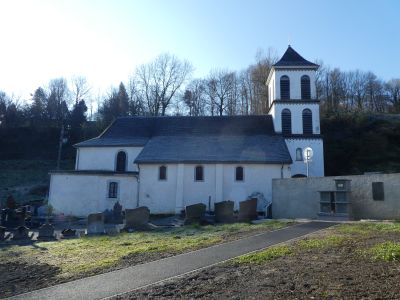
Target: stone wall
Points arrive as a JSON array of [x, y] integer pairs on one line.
[[299, 197]]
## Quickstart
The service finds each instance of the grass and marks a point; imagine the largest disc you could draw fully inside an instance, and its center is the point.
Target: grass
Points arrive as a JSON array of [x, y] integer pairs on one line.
[[388, 251], [320, 243], [91, 254], [264, 255], [365, 228]]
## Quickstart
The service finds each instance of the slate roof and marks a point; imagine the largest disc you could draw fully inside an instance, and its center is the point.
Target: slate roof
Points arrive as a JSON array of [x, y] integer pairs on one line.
[[250, 139], [292, 58]]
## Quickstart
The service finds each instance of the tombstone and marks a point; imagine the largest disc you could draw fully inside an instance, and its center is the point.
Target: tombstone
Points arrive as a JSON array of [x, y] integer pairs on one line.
[[195, 213], [112, 229], [108, 216], [2, 233], [95, 224], [46, 232], [224, 211], [3, 217], [21, 233], [117, 213], [137, 218], [11, 203], [248, 210], [68, 233]]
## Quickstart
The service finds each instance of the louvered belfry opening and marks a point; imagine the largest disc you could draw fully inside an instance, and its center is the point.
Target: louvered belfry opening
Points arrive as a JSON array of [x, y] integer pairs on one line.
[[286, 122], [305, 87], [285, 87], [307, 121]]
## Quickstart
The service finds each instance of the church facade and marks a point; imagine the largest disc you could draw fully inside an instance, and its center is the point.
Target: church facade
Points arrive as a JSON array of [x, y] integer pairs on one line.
[[167, 163]]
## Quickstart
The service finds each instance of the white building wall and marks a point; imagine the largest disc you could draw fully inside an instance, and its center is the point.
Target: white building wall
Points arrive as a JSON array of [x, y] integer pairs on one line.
[[316, 167], [80, 195], [104, 158], [295, 82], [158, 195], [257, 178], [297, 116], [180, 189]]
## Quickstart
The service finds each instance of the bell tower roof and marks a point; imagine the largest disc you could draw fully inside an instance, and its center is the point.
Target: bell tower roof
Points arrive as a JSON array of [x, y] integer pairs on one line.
[[293, 59]]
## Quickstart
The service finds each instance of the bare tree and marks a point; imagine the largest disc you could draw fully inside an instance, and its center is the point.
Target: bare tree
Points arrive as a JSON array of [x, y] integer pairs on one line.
[[392, 88], [159, 81], [219, 88], [195, 97], [80, 88]]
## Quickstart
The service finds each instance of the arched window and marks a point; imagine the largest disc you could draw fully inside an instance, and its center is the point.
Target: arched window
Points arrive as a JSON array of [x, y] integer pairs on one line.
[[162, 173], [299, 154], [305, 87], [307, 121], [239, 174], [121, 162], [286, 121], [199, 173], [285, 87]]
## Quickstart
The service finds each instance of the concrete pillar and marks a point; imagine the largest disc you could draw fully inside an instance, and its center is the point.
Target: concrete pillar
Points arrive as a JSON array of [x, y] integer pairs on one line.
[[179, 205]]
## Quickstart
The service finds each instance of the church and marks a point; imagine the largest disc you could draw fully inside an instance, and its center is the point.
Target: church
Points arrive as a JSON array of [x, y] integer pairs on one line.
[[167, 163]]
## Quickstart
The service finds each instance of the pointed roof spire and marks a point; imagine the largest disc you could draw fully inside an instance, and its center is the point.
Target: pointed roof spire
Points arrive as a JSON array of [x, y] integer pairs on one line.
[[292, 59]]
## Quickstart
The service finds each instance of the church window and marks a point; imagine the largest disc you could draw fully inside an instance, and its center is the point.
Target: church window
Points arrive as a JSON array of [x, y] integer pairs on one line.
[[285, 87], [199, 173], [305, 87], [162, 173], [121, 162], [239, 174], [286, 121], [113, 190], [307, 121], [299, 154]]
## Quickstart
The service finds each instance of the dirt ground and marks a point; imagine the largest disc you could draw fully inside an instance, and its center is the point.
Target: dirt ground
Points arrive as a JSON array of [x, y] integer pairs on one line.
[[334, 272]]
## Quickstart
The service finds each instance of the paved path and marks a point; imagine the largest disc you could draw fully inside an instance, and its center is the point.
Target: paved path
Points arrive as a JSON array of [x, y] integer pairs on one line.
[[128, 279]]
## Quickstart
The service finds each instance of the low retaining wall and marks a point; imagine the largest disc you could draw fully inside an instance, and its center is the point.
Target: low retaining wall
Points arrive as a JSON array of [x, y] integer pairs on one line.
[[300, 197]]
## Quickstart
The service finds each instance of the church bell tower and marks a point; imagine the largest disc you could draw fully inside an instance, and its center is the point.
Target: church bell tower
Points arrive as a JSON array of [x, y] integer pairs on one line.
[[295, 110]]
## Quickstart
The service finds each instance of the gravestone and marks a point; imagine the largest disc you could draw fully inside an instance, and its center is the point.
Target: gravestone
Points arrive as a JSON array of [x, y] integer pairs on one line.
[[95, 224], [248, 210], [137, 218], [68, 233], [2, 233], [46, 232], [3, 217], [10, 202], [21, 233], [112, 229], [117, 213], [108, 216], [195, 213], [224, 211]]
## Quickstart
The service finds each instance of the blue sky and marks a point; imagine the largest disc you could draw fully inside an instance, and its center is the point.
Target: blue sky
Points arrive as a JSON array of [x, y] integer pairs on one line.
[[105, 40]]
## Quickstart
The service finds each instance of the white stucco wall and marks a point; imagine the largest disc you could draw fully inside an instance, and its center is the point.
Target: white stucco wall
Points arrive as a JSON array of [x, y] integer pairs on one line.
[[80, 195], [316, 167], [297, 116], [295, 82], [158, 195], [104, 158], [180, 188]]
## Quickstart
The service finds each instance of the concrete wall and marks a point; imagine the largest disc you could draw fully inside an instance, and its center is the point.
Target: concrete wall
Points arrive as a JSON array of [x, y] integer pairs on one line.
[[299, 197], [104, 158], [80, 195]]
